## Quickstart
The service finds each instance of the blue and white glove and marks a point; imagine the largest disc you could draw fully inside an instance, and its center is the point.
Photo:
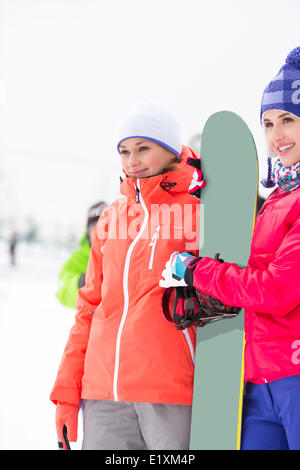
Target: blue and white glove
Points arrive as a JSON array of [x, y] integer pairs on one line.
[[173, 274]]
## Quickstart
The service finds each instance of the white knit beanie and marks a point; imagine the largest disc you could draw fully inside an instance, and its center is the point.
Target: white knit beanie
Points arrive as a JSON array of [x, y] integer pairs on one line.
[[152, 122]]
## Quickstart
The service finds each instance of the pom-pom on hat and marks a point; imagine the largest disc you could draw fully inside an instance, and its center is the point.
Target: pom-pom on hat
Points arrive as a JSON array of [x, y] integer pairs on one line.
[[151, 122], [283, 92]]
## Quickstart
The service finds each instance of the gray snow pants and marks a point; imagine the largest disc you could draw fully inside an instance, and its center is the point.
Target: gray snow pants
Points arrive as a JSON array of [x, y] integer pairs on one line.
[[111, 425]]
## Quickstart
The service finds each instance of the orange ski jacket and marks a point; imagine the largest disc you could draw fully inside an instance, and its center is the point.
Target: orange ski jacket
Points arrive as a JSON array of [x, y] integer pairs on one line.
[[121, 347]]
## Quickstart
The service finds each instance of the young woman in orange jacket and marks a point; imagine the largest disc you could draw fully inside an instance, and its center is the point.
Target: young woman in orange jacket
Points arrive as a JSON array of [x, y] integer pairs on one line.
[[131, 367]]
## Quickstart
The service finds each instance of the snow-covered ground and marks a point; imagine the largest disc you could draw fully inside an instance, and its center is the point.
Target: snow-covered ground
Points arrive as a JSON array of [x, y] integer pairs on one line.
[[34, 328]]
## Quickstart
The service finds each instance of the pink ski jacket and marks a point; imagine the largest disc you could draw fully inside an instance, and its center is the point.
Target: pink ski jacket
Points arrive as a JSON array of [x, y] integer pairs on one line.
[[121, 346], [268, 288]]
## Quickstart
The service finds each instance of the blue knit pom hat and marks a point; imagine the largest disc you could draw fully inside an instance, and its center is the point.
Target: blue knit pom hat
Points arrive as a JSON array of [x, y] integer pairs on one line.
[[151, 122], [283, 92]]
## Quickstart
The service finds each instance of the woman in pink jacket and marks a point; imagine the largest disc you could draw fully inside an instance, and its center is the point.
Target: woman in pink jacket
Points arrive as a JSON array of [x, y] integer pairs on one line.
[[269, 287]]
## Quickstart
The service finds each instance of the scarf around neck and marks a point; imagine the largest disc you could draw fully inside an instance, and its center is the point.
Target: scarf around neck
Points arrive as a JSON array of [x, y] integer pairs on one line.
[[287, 178]]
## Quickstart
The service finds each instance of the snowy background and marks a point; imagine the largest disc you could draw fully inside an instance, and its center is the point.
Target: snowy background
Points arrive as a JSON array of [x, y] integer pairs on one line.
[[69, 70], [34, 328]]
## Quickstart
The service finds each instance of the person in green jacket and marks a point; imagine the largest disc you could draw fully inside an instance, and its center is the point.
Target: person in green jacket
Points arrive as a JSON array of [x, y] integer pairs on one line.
[[72, 275]]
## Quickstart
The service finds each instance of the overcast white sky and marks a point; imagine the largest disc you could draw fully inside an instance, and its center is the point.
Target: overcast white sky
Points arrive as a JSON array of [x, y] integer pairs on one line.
[[70, 69]]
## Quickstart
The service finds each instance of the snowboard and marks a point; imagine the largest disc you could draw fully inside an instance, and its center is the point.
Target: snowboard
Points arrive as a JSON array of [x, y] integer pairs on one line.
[[228, 209]]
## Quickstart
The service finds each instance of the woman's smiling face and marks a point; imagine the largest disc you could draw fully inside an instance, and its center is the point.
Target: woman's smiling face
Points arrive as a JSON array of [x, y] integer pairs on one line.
[[283, 135], [142, 158]]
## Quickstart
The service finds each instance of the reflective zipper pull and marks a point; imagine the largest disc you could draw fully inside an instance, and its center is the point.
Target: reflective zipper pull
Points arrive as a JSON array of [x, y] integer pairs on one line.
[[153, 244]]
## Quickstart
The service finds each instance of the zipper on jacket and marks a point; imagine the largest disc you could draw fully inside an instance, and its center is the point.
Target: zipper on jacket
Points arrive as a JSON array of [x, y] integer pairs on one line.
[[137, 194], [126, 293], [153, 244]]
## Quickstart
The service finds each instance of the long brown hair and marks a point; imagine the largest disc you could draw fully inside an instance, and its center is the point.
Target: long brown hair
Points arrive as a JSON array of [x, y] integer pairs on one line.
[[173, 165]]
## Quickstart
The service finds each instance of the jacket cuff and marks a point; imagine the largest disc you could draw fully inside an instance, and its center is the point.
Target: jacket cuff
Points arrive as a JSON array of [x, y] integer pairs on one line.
[[66, 395]]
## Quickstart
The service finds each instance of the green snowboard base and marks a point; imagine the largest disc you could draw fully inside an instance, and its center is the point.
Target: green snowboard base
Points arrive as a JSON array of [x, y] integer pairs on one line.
[[230, 167]]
